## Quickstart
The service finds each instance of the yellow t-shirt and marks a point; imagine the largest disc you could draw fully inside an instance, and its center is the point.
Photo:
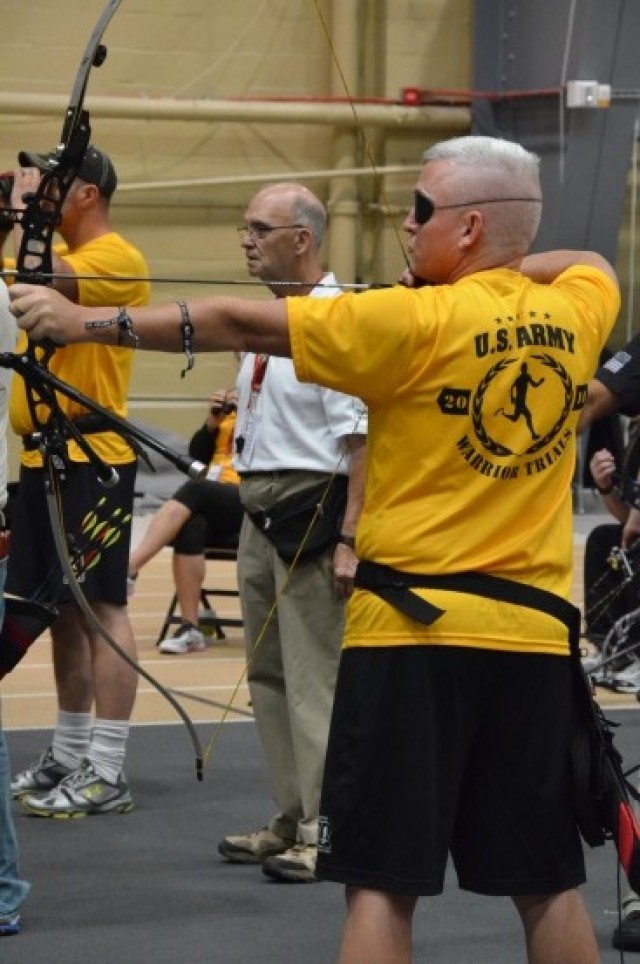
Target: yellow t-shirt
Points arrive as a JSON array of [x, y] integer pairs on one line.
[[99, 371], [473, 391], [223, 452]]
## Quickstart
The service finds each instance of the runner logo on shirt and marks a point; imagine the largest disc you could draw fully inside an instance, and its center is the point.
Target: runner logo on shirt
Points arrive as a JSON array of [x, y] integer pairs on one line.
[[520, 405]]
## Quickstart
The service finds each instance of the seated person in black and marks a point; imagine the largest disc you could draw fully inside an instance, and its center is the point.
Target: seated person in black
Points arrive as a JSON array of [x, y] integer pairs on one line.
[[612, 580], [199, 515]]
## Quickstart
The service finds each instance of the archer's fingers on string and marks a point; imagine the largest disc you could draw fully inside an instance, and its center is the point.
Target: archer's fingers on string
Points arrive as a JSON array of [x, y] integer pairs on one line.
[[20, 300], [19, 290]]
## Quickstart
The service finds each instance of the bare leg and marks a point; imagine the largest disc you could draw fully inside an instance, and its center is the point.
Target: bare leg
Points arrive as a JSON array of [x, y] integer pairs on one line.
[[188, 576], [378, 928], [115, 682], [72, 661], [162, 530], [557, 929], [87, 670]]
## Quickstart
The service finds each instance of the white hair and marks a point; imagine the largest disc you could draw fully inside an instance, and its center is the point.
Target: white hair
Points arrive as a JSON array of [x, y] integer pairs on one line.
[[308, 210], [493, 152], [498, 169]]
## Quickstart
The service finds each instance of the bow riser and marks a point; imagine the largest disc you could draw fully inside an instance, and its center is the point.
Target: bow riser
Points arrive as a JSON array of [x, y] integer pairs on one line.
[[43, 210]]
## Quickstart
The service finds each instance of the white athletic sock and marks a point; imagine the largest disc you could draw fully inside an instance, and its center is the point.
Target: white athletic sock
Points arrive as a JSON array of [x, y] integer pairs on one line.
[[71, 738], [108, 747]]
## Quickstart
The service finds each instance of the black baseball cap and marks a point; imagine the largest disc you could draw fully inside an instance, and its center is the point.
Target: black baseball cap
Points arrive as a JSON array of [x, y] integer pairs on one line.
[[96, 167]]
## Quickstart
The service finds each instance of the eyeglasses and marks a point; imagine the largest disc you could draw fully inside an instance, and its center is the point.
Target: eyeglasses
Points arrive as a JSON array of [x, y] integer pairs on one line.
[[258, 231], [424, 208]]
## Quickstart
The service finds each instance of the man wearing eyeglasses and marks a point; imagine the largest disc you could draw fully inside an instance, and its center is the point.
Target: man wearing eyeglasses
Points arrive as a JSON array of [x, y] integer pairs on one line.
[[454, 708], [292, 439]]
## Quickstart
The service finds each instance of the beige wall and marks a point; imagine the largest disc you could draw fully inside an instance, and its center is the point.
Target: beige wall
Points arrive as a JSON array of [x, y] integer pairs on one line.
[[216, 50]]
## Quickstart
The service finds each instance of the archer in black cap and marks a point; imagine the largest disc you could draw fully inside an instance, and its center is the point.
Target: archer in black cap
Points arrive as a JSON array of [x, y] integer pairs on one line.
[[96, 167]]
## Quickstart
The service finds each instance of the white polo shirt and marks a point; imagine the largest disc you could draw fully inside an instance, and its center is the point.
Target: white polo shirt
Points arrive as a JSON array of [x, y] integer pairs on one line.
[[285, 424]]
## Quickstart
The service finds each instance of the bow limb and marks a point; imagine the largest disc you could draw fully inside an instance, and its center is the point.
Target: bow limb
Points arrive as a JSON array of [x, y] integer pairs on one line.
[[54, 507], [49, 386], [43, 208], [93, 56]]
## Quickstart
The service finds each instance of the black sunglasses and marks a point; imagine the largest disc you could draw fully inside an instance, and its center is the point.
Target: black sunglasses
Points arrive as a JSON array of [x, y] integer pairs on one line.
[[424, 208]]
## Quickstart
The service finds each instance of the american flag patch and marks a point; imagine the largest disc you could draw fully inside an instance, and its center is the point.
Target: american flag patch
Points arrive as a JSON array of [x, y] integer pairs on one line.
[[618, 362]]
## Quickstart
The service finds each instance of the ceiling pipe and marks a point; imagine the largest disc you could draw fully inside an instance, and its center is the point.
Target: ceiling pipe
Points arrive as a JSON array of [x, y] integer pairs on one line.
[[326, 113], [328, 174]]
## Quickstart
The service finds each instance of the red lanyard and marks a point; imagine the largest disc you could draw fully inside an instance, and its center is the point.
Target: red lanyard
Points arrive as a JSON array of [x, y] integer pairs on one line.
[[259, 371]]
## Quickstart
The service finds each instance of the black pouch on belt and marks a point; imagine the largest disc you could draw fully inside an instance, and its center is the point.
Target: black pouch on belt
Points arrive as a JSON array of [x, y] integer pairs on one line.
[[306, 523]]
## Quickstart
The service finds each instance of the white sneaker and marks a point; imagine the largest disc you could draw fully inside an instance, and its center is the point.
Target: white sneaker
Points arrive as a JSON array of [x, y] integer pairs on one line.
[[40, 777], [628, 680], [296, 865], [254, 848], [82, 792], [187, 639]]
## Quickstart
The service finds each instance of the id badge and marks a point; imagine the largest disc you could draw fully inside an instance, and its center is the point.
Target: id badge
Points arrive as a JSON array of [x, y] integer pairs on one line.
[[249, 431]]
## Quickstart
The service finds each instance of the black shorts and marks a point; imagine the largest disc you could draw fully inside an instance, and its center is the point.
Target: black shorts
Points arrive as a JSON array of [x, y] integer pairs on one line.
[[216, 519], [436, 750], [98, 523]]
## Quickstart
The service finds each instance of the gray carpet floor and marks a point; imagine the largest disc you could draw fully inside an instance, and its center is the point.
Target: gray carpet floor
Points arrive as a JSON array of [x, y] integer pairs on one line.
[[148, 887]]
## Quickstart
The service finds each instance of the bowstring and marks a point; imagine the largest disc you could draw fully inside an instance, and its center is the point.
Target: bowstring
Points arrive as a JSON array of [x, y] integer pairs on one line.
[[231, 282], [368, 150], [229, 706], [370, 156]]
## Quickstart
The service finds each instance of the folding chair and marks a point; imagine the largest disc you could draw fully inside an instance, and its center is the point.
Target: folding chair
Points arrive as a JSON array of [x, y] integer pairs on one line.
[[208, 616]]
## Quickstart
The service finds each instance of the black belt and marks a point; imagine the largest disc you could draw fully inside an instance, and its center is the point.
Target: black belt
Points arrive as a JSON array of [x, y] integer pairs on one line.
[[280, 473], [394, 586], [89, 424]]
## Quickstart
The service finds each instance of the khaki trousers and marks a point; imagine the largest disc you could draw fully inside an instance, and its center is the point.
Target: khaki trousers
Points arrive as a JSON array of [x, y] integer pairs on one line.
[[293, 632]]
